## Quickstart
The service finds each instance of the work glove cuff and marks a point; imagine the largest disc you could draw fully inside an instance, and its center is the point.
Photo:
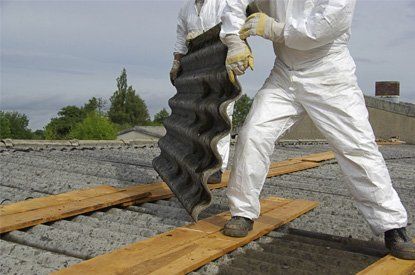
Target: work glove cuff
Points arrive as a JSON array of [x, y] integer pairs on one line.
[[233, 41], [176, 64], [277, 31]]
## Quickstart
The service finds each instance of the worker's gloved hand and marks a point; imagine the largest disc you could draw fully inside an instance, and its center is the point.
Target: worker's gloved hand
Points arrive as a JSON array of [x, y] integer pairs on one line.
[[239, 56], [175, 69], [262, 25]]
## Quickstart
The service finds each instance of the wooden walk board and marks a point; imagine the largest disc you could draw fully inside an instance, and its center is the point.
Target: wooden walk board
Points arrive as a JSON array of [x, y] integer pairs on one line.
[[287, 162], [319, 157], [68, 209], [161, 191], [38, 203], [187, 248], [303, 165], [390, 265]]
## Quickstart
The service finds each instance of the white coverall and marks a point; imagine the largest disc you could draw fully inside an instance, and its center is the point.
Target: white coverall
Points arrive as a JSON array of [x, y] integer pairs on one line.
[[313, 74], [190, 23]]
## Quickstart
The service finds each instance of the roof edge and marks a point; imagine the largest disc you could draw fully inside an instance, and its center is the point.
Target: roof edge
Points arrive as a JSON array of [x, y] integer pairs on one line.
[[402, 108], [74, 143]]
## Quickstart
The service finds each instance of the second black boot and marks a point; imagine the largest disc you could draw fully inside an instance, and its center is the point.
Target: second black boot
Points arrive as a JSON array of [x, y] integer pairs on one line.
[[238, 227], [399, 244], [215, 177]]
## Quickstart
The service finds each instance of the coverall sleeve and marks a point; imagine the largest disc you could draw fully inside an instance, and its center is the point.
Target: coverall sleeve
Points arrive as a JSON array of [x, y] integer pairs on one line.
[[180, 46], [328, 20], [233, 16], [220, 8]]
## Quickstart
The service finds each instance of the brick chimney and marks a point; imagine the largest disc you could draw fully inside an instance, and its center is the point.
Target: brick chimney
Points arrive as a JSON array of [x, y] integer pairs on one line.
[[388, 90]]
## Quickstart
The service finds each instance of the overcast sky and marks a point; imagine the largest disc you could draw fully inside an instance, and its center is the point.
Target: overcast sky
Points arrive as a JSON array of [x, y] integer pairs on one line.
[[58, 53]]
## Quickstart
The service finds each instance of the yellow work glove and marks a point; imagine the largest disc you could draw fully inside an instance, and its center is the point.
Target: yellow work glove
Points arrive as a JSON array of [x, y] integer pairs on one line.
[[239, 56], [262, 25]]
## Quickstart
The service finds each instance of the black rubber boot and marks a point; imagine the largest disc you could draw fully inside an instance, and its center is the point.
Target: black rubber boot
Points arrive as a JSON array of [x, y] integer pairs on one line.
[[215, 177], [399, 244], [238, 227]]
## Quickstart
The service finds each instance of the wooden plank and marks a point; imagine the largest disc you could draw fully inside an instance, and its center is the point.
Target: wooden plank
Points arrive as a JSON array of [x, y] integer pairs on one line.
[[213, 246], [390, 265], [37, 211], [319, 157], [276, 168], [37, 203], [187, 248], [159, 191], [68, 209], [284, 163], [124, 259], [304, 165]]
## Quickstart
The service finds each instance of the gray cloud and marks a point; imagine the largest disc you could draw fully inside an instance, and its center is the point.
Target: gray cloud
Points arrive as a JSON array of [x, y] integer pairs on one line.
[[57, 53]]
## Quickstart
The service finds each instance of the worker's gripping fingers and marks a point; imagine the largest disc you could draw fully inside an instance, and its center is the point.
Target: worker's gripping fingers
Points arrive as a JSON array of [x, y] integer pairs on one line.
[[251, 62], [231, 75], [238, 68], [238, 57], [246, 32]]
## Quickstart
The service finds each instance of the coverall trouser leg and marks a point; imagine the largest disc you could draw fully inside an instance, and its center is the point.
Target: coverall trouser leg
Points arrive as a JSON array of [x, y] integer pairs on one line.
[[339, 112], [224, 144], [273, 111]]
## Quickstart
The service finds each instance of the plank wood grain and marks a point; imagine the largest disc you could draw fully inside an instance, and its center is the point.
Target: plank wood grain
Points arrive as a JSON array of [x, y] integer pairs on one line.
[[300, 166], [390, 265], [319, 157], [185, 249], [52, 200], [68, 209]]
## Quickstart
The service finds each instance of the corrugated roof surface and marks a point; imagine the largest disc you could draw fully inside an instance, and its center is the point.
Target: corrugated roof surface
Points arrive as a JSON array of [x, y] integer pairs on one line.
[[295, 249]]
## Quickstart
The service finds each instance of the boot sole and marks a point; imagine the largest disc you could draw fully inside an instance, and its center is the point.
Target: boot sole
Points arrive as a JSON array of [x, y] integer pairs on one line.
[[234, 233], [210, 181]]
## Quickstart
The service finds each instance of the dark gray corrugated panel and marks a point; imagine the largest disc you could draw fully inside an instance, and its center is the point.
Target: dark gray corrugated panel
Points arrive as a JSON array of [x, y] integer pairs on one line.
[[197, 122]]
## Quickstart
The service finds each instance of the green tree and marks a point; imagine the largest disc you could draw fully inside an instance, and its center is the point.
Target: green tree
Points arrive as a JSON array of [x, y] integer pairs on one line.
[[14, 125], [69, 116], [94, 105], [160, 116], [38, 134], [242, 107], [127, 108], [5, 131], [94, 127], [61, 126]]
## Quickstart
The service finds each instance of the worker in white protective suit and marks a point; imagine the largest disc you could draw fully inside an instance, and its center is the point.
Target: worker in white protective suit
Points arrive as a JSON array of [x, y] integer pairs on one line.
[[196, 17], [313, 74]]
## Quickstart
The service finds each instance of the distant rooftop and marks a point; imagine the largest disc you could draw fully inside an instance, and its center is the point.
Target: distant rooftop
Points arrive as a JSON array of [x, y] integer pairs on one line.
[[142, 132]]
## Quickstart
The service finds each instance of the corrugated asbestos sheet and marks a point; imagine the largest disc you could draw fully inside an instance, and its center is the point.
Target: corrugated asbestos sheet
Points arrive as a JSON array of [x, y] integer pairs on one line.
[[197, 122], [27, 172]]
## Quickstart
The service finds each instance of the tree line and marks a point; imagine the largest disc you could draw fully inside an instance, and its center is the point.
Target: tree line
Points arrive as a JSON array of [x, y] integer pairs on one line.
[[92, 120]]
